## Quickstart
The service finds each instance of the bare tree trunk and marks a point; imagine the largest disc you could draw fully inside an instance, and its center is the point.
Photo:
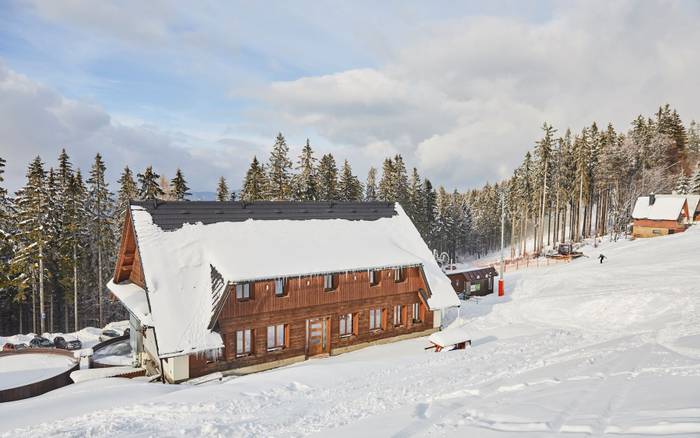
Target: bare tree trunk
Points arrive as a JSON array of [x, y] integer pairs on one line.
[[51, 326], [75, 287], [580, 201], [33, 302], [21, 326], [99, 283], [42, 314]]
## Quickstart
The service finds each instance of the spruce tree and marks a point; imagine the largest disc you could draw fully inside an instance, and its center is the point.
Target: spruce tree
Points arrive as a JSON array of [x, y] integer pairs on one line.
[[428, 210], [255, 183], [387, 184], [349, 187], [695, 181], [75, 239], [150, 187], [32, 212], [328, 179], [400, 180], [100, 212], [222, 192], [128, 191], [279, 171], [305, 181], [371, 185], [178, 187], [683, 184], [415, 201]]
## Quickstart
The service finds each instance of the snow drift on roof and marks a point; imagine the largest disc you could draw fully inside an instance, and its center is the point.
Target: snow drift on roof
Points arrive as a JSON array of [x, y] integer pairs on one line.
[[693, 201], [664, 208], [178, 264], [133, 298]]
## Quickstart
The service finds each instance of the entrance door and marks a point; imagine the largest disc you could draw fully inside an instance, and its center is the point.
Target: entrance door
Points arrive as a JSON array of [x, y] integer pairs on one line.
[[317, 341]]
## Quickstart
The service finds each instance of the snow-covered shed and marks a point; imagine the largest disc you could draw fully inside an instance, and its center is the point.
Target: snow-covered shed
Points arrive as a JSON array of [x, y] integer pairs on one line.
[[471, 280], [657, 215], [218, 285]]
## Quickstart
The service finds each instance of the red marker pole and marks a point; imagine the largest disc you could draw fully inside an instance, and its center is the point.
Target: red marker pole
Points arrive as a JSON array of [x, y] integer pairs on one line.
[[501, 288]]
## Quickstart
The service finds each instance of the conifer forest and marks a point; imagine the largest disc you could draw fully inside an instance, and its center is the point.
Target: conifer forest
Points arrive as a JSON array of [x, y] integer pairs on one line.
[[60, 231]]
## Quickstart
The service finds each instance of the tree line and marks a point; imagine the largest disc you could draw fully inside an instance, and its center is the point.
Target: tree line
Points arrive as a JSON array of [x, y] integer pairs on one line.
[[60, 231]]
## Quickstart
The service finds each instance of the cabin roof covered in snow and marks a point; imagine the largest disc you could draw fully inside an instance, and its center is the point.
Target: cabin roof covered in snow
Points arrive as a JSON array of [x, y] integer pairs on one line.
[[693, 201], [186, 257], [663, 208]]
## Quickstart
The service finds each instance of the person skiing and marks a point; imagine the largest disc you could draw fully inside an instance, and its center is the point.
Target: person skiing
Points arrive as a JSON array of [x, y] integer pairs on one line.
[[602, 257]]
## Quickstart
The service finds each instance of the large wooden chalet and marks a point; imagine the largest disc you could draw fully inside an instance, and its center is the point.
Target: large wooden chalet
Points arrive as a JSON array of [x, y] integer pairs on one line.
[[218, 286], [658, 215]]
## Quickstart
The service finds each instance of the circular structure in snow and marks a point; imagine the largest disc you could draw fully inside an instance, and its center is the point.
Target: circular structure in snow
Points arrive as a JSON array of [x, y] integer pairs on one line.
[[28, 373], [112, 353]]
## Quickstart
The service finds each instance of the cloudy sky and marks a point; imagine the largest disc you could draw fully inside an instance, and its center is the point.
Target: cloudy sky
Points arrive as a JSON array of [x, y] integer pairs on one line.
[[459, 88]]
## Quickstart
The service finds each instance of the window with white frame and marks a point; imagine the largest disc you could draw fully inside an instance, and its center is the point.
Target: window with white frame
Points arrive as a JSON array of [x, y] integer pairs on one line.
[[243, 291], [244, 342], [276, 335], [279, 287], [398, 320], [346, 327], [373, 278], [328, 282], [375, 319], [398, 274], [416, 312]]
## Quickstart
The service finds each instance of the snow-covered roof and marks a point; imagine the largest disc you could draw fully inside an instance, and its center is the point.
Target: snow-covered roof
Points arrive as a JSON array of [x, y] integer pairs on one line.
[[449, 336], [182, 267], [133, 298], [663, 208], [693, 201]]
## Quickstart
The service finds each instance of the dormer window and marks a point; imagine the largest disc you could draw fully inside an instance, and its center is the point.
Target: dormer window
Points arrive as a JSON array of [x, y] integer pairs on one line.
[[243, 291], [373, 278], [398, 274], [280, 284], [328, 283]]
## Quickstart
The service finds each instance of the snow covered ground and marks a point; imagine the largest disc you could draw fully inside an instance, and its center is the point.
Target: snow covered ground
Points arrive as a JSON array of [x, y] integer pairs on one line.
[[18, 370], [577, 349]]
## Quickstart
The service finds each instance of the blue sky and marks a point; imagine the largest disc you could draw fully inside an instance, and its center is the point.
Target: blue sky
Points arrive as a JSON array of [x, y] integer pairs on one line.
[[459, 88]]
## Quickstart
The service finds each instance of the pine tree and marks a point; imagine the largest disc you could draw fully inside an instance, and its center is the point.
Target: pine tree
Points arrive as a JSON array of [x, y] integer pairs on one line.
[[150, 188], [304, 182], [178, 187], [100, 216], [128, 191], [371, 185], [426, 224], [387, 183], [415, 200], [75, 239], [279, 171], [328, 179], [32, 211], [222, 192], [694, 139], [255, 183], [695, 181], [400, 188], [683, 184], [349, 187], [543, 153]]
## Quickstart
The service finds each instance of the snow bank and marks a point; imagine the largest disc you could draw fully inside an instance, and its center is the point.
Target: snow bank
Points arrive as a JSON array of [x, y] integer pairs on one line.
[[23, 369], [133, 298], [178, 264]]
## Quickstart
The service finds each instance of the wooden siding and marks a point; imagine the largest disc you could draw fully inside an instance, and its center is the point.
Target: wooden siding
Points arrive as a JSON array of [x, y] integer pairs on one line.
[[461, 285], [302, 302], [303, 292], [129, 265], [652, 228]]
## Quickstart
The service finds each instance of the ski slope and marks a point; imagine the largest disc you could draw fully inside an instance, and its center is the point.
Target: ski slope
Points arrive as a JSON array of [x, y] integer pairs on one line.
[[579, 349]]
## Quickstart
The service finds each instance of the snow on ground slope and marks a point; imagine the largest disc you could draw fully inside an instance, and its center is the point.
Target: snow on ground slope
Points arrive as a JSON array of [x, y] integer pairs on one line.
[[579, 349]]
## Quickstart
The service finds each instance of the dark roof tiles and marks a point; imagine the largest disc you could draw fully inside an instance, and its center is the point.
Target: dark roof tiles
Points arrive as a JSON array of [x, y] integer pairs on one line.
[[171, 215]]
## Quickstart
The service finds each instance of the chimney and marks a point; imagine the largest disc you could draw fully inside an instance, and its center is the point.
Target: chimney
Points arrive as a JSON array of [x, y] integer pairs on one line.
[[652, 198]]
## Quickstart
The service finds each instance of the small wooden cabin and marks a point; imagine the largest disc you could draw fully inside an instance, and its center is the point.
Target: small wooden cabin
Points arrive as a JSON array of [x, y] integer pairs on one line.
[[658, 215], [242, 287], [472, 281]]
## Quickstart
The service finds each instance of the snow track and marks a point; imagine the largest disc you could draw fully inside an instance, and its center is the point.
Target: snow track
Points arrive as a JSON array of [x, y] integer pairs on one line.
[[578, 350]]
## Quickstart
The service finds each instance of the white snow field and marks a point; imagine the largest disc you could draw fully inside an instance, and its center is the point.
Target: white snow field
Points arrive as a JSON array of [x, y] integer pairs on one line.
[[18, 370], [578, 349]]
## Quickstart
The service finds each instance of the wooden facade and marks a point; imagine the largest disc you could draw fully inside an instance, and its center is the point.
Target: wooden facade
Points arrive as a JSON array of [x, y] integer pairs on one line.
[[309, 312], [306, 304], [652, 228], [475, 282]]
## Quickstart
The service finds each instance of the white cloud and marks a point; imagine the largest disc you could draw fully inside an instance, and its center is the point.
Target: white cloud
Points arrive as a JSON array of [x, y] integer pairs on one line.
[[467, 98], [35, 120]]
